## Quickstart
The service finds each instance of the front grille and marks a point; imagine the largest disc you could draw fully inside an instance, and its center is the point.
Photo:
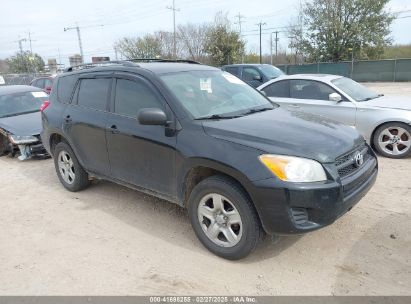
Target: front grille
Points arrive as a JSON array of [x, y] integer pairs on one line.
[[346, 164]]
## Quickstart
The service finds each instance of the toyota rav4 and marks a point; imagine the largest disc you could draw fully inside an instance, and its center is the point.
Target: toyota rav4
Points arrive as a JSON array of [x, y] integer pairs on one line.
[[203, 139]]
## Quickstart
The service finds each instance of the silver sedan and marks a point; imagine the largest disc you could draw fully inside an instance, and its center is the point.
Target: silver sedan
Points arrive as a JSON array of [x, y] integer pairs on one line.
[[384, 121]]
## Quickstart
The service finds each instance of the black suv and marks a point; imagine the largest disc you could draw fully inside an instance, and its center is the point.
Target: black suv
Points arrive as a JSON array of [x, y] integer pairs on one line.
[[253, 74], [203, 139]]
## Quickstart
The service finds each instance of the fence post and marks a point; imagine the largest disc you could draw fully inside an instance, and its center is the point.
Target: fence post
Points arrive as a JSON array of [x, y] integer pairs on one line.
[[395, 70]]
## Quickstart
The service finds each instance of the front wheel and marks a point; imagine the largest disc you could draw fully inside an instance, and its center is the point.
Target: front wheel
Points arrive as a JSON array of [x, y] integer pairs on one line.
[[4, 145], [393, 140], [224, 218], [69, 171]]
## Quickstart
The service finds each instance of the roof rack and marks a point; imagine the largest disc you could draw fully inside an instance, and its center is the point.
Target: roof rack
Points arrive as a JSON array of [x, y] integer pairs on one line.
[[99, 64], [163, 60], [128, 62]]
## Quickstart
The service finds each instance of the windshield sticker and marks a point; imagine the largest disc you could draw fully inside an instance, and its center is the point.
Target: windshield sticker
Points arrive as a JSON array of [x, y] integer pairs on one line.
[[205, 85], [232, 78], [39, 94]]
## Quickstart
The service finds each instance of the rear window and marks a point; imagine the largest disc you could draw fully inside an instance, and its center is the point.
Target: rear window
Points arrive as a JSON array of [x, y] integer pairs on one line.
[[93, 93], [65, 88]]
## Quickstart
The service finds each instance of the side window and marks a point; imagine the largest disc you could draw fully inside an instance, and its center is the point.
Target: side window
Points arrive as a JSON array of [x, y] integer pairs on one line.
[[65, 87], [132, 96], [233, 70], [39, 83], [47, 83], [250, 74], [93, 93], [278, 89], [308, 89]]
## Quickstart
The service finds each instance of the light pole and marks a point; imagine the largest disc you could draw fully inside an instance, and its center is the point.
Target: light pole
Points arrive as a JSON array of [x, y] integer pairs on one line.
[[77, 28], [276, 46]]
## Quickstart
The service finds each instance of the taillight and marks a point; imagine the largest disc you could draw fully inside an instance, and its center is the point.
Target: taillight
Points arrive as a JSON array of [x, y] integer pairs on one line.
[[44, 105]]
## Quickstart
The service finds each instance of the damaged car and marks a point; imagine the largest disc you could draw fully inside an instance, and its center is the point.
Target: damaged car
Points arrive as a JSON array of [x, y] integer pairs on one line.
[[20, 121]]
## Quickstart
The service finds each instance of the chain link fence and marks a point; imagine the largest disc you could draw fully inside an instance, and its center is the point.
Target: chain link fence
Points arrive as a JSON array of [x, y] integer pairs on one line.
[[362, 71], [20, 79]]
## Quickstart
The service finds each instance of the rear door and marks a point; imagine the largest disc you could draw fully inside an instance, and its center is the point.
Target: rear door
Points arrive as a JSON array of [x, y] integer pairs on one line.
[[85, 121], [141, 155]]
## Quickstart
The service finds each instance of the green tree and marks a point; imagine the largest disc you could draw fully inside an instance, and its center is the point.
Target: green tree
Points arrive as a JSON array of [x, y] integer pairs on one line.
[[223, 44], [25, 62], [148, 46], [334, 29]]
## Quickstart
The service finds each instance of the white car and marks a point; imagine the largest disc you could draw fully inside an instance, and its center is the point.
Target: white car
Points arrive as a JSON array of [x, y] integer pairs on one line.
[[384, 121]]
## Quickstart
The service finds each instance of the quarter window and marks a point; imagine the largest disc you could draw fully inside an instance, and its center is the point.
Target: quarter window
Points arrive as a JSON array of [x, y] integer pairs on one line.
[[132, 96], [93, 93]]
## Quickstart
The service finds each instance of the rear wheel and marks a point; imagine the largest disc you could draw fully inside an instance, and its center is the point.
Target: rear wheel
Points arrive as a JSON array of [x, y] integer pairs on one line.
[[69, 171], [393, 140], [224, 218]]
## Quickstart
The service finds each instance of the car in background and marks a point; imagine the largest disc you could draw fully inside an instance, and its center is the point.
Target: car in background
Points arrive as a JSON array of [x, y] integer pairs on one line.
[[253, 74], [44, 83], [20, 121], [384, 121]]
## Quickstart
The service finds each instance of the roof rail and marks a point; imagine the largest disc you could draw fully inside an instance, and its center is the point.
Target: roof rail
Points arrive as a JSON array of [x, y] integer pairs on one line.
[[163, 60], [99, 64]]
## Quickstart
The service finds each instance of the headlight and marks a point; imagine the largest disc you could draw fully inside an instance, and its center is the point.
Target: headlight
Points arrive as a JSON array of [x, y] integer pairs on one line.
[[294, 169], [22, 140]]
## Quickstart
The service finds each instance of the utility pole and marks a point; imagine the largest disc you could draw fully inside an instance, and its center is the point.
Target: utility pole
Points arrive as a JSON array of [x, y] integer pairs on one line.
[[240, 22], [21, 44], [31, 49], [174, 9], [79, 39], [276, 46], [260, 25]]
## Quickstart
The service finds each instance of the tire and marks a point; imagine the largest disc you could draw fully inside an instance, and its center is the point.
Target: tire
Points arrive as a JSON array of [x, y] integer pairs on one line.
[[69, 171], [4, 145], [237, 218], [393, 140]]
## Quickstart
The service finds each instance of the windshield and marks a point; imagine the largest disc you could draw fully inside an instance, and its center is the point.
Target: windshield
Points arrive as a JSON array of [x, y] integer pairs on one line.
[[21, 103], [355, 90], [271, 71], [214, 93]]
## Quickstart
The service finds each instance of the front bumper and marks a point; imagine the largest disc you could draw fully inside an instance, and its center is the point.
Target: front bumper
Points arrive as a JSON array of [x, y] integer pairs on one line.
[[286, 208]]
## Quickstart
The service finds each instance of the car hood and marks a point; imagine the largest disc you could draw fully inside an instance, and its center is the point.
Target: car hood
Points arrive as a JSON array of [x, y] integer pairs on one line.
[[26, 124], [288, 132], [393, 102]]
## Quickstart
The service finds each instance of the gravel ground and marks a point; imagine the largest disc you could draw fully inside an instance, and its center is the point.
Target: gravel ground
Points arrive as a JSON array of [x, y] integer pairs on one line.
[[109, 240]]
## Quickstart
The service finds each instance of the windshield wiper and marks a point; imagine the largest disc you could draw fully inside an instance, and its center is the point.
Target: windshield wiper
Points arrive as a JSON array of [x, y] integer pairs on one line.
[[252, 111], [217, 116], [370, 98]]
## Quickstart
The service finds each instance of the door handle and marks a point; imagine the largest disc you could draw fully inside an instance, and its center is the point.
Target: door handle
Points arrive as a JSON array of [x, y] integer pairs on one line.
[[114, 129], [68, 119]]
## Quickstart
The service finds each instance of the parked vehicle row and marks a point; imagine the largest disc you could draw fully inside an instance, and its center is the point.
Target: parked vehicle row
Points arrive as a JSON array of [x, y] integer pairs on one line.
[[287, 158]]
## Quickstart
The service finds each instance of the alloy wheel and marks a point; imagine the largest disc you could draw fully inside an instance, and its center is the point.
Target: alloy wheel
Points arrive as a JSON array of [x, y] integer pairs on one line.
[[220, 220], [66, 167], [395, 141]]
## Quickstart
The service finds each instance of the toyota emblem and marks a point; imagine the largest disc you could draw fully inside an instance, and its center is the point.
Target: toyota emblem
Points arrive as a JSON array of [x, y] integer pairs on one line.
[[359, 159]]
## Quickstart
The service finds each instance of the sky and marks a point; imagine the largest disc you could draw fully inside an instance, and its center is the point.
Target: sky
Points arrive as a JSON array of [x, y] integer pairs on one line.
[[103, 22]]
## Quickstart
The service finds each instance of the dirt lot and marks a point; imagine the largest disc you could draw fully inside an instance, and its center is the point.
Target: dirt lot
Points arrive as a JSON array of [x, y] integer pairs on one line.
[[109, 240]]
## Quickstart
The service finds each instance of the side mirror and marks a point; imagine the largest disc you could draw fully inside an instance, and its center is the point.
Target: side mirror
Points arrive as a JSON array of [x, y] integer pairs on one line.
[[263, 93], [335, 97], [152, 117], [257, 77]]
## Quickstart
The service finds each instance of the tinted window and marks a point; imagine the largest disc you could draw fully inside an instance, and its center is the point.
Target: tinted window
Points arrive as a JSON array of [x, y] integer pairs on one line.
[[278, 89], [132, 96], [308, 89], [93, 93], [249, 74], [65, 88], [233, 70]]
